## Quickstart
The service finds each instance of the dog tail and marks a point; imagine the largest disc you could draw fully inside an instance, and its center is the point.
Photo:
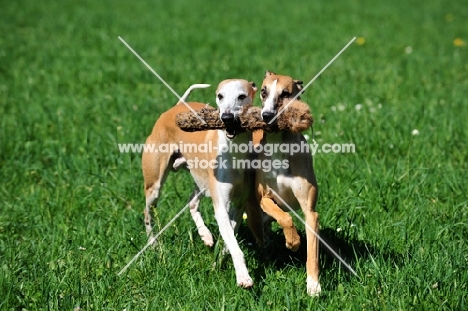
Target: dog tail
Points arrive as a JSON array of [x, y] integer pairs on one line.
[[190, 89]]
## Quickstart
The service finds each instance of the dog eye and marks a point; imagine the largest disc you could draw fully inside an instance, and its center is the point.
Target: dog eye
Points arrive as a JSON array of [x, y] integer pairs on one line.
[[263, 93], [220, 97], [242, 97]]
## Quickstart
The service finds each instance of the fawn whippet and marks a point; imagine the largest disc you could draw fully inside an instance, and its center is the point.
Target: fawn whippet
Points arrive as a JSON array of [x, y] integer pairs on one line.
[[296, 184], [213, 170]]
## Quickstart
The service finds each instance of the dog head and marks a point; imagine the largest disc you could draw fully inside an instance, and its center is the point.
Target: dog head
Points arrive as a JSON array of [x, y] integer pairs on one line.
[[277, 90], [231, 96]]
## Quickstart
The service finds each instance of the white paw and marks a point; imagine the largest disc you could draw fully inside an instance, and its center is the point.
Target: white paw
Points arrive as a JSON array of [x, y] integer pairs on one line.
[[313, 287], [149, 231], [206, 236], [244, 281]]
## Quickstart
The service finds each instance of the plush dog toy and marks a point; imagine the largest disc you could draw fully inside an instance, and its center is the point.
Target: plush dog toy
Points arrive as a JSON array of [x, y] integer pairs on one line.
[[296, 118]]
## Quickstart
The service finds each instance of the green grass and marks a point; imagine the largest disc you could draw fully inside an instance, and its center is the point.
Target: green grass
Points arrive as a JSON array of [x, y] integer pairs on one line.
[[71, 204]]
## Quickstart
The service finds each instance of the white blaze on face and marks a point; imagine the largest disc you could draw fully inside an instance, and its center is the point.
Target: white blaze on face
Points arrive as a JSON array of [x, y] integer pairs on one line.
[[269, 103], [230, 101]]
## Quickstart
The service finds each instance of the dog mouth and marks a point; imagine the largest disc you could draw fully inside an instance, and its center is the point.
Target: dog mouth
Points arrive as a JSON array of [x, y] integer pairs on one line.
[[230, 133]]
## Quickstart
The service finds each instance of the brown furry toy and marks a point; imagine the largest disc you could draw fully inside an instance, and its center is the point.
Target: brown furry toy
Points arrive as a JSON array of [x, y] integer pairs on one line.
[[295, 118]]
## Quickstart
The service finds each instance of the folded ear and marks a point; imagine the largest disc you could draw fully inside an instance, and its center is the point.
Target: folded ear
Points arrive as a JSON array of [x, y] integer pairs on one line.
[[298, 84], [297, 87], [269, 73], [253, 89]]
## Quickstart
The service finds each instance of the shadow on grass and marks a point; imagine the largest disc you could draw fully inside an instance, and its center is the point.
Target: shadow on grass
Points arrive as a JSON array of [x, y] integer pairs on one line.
[[276, 255]]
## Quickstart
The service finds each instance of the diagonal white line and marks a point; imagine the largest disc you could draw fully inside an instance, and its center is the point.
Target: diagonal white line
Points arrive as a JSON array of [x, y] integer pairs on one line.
[[316, 234], [161, 79], [153, 239], [313, 79]]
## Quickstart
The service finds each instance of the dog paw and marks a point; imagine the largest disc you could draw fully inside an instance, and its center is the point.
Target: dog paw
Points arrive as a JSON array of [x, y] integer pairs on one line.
[[293, 241], [152, 241], [206, 236], [313, 287], [293, 245], [245, 281]]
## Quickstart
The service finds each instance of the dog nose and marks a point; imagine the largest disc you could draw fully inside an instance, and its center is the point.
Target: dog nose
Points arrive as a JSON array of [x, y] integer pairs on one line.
[[267, 115], [227, 117]]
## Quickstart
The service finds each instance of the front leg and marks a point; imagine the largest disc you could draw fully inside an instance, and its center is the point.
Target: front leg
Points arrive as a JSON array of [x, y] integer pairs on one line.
[[293, 241], [221, 203], [307, 200], [312, 265]]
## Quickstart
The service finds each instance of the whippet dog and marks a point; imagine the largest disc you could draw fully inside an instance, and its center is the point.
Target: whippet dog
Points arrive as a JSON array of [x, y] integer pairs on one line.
[[296, 184], [214, 170]]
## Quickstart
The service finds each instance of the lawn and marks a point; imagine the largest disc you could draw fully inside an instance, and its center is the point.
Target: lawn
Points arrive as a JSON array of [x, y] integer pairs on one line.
[[71, 204]]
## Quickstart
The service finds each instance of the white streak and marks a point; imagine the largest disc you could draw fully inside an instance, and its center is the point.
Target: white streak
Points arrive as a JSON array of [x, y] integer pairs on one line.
[[269, 104]]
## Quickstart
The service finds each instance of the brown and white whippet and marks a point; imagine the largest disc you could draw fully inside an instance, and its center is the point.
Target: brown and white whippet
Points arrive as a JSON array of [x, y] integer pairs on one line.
[[295, 184], [213, 170]]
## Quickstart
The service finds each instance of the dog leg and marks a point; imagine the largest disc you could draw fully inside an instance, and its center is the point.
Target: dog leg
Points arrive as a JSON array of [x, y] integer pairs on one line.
[[194, 203], [222, 204], [293, 241], [227, 233], [155, 170], [203, 230], [312, 230], [148, 211], [312, 265]]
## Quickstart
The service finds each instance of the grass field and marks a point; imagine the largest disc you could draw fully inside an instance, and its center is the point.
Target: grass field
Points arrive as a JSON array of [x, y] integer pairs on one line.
[[71, 204]]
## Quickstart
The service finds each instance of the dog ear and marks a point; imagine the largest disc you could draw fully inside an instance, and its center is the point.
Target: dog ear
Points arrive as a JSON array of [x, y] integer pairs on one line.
[[253, 90], [254, 87], [297, 87], [269, 73], [298, 84]]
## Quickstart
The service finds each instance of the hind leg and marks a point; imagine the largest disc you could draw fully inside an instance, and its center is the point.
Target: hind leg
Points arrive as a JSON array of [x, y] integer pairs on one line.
[[194, 203], [155, 167], [203, 230]]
